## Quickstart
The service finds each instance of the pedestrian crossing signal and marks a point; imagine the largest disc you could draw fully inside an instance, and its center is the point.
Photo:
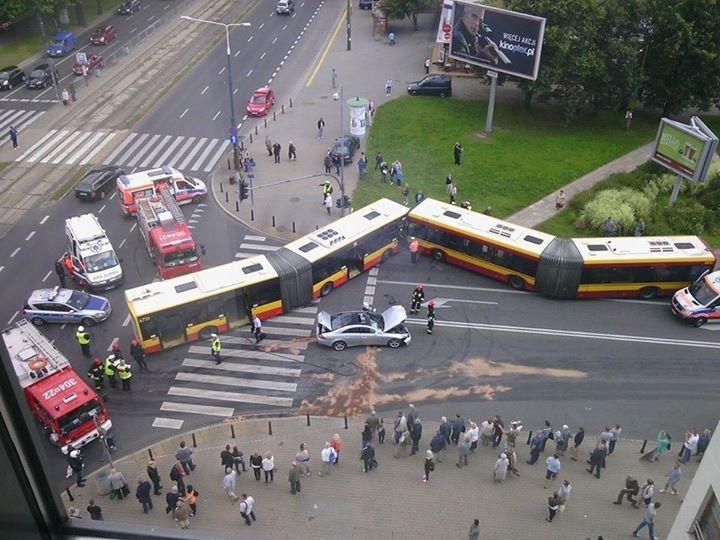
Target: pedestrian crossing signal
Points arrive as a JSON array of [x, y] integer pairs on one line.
[[244, 191]]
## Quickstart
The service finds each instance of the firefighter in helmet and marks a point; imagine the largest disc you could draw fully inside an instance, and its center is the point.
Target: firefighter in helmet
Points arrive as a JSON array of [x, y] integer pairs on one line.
[[418, 296]]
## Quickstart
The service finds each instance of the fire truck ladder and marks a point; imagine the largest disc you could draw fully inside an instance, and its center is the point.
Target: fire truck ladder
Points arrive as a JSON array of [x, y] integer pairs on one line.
[[43, 352], [171, 205]]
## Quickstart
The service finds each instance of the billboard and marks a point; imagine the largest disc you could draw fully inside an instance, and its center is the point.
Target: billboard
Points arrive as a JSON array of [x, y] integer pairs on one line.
[[686, 150], [497, 39]]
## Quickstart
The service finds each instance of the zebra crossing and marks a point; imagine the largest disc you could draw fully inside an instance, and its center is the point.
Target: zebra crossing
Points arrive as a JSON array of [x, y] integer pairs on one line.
[[264, 374], [253, 245], [20, 119], [77, 147]]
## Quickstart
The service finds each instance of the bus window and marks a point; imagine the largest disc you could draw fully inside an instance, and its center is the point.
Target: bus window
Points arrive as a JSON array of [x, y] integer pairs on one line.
[[148, 327]]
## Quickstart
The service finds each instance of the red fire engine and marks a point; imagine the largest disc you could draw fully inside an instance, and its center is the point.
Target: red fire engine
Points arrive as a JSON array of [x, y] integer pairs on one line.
[[167, 237], [67, 408]]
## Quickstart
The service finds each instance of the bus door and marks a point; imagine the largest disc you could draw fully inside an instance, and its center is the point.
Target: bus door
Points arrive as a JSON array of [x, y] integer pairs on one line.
[[172, 330], [355, 260]]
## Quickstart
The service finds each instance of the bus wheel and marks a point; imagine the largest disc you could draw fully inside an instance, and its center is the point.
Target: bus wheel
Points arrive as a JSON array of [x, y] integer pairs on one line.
[[339, 345], [700, 321], [387, 254], [438, 255], [648, 293], [326, 288], [517, 283], [206, 333]]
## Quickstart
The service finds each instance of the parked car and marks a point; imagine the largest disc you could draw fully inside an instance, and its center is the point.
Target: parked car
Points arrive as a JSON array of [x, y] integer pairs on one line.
[[285, 7], [10, 77], [65, 306], [365, 4], [261, 102], [98, 183], [61, 44], [103, 34], [41, 77], [432, 85], [129, 7], [345, 146], [353, 328], [94, 61]]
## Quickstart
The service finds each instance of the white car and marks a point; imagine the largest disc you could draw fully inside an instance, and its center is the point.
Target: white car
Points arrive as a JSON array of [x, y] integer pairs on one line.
[[285, 7], [353, 328]]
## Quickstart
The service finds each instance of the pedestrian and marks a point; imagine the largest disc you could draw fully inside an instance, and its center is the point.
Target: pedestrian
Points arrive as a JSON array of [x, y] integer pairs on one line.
[[191, 495], [334, 78], [118, 485], [294, 476], [247, 508], [137, 353], [268, 145], [437, 445], [327, 162], [560, 200], [430, 316], [391, 39], [372, 422], [453, 193], [328, 457], [276, 151], [337, 445], [553, 506], [384, 170], [171, 499], [95, 373], [107, 440], [125, 374], [362, 165], [445, 428], [406, 194], [71, 87], [215, 348], [303, 460], [553, 469], [399, 426], [648, 520], [497, 431], [535, 447], [256, 460], [562, 440], [182, 514], [486, 431], [429, 465], [448, 183], [328, 203], [418, 295], [512, 458], [474, 433], [577, 441], [501, 467], [427, 64], [474, 532], [292, 152], [640, 229], [257, 328], [367, 457], [663, 444], [463, 451], [320, 128], [177, 474], [388, 87], [69, 267], [647, 490], [184, 454], [564, 494], [75, 462], [403, 443], [154, 476], [415, 436], [378, 160], [628, 119], [614, 436], [337, 162], [411, 416], [143, 495], [457, 153], [609, 227], [268, 467], [60, 271], [458, 427], [512, 435], [703, 443], [547, 433], [230, 483], [673, 477], [65, 97], [83, 338], [226, 458], [631, 489], [327, 189], [691, 440], [597, 458], [94, 510], [238, 459]]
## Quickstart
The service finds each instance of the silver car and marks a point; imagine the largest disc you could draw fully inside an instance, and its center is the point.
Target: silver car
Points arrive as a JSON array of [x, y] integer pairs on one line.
[[66, 306], [352, 328]]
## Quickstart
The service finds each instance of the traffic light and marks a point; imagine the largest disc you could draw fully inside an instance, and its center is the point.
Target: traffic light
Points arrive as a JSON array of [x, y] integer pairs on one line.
[[244, 191]]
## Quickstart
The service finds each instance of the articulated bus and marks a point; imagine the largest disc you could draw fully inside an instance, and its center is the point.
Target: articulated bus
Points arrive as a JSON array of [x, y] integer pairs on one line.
[[643, 267], [191, 307]]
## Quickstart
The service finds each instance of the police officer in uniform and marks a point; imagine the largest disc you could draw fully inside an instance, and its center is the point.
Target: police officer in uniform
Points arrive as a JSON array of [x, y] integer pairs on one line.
[[83, 339], [96, 374], [136, 351], [327, 189], [110, 367], [430, 316], [125, 374], [215, 348], [418, 296]]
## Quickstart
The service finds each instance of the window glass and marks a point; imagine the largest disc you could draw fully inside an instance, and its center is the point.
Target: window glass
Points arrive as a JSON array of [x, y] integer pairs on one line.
[[148, 326]]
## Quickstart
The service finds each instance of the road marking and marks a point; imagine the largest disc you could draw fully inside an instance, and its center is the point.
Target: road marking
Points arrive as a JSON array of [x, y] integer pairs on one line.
[[113, 342], [308, 309], [441, 301], [204, 90], [29, 236], [459, 287], [102, 208], [85, 147], [184, 113], [120, 148], [180, 152], [202, 157], [14, 252], [137, 157], [171, 406], [231, 396], [262, 56], [169, 423], [97, 148], [35, 147], [371, 280], [259, 247], [216, 115], [221, 71], [159, 146], [250, 39], [234, 381], [235, 91], [55, 151], [10, 321], [126, 321], [237, 53], [71, 147], [244, 368], [43, 220], [285, 27], [122, 243], [302, 332], [248, 73], [2, 268], [133, 226], [255, 238], [261, 26], [252, 354], [161, 159], [370, 290], [195, 150], [133, 30], [293, 320], [274, 41], [341, 21], [47, 276], [131, 150]]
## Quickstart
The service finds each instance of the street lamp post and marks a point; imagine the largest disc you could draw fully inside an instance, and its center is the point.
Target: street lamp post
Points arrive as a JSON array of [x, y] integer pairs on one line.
[[233, 125], [342, 159]]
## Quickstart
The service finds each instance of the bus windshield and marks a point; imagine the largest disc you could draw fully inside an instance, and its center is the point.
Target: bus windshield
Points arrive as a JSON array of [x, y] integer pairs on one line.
[[702, 292]]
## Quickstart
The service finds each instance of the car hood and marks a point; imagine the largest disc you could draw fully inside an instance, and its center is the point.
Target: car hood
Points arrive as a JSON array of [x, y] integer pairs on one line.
[[393, 317], [97, 303]]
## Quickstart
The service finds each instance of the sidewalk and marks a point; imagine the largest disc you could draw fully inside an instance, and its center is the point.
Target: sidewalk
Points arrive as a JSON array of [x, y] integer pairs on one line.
[[390, 502]]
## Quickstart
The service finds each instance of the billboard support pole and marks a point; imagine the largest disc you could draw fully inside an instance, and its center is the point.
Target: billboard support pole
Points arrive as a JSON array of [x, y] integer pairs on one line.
[[675, 191], [491, 103]]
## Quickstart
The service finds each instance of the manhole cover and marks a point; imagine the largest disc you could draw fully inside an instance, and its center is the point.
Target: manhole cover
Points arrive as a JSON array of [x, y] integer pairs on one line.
[[295, 199]]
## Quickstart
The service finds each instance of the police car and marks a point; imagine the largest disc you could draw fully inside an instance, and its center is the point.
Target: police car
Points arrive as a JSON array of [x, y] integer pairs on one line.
[[65, 305]]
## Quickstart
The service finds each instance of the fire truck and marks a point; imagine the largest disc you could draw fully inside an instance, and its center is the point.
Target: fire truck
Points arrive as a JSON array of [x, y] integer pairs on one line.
[[68, 410], [167, 236]]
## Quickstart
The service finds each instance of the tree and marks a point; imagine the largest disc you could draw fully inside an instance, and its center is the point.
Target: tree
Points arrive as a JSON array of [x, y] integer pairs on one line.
[[399, 9], [15, 10]]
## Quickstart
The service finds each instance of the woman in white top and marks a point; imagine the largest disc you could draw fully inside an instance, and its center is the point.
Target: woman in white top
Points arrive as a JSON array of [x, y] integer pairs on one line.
[[501, 467], [474, 433], [268, 466]]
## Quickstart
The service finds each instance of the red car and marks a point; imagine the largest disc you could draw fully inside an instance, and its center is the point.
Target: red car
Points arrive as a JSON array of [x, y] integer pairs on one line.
[[94, 61], [261, 102], [103, 34]]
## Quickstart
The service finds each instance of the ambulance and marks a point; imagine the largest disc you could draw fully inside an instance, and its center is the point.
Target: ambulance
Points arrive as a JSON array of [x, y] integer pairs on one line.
[[700, 302], [143, 184], [93, 257]]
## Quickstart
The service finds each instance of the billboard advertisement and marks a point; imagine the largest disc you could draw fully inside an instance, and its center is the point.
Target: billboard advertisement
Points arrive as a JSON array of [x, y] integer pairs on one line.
[[497, 39], [685, 150]]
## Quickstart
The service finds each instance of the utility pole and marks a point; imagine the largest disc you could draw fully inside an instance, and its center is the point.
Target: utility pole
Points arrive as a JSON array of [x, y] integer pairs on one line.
[[349, 25], [342, 159]]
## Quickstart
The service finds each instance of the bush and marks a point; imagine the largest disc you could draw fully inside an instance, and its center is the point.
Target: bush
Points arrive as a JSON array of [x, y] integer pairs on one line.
[[624, 206], [692, 218]]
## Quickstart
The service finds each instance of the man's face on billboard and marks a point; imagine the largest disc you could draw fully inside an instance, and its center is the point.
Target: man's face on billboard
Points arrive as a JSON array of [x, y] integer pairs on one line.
[[472, 17]]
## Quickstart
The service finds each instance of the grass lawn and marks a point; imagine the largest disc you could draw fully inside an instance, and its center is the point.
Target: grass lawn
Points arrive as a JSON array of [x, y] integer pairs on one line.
[[529, 155]]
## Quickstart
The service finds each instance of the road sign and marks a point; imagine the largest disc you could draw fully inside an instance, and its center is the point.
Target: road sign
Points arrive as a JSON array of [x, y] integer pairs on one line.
[[81, 58], [233, 139]]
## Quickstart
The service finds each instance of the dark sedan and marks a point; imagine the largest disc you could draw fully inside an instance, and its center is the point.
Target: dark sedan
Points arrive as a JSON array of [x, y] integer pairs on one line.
[[10, 77], [345, 146], [129, 7], [41, 77], [98, 183]]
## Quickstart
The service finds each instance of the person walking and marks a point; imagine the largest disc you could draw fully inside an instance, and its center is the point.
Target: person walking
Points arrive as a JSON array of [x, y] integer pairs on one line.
[[367, 456], [13, 133], [427, 65], [191, 495], [215, 348], [498, 428], [327, 190], [501, 467], [437, 445], [137, 353], [463, 451], [184, 454], [431, 318], [65, 97], [238, 459], [276, 148], [631, 489], [337, 445], [428, 466], [457, 153], [673, 477], [384, 170], [327, 458], [577, 441], [474, 532], [453, 193], [143, 495], [182, 514], [535, 447], [373, 422], [60, 271], [171, 499], [648, 521], [378, 160], [95, 373], [257, 329], [597, 458], [564, 494], [268, 466], [403, 443], [381, 432], [399, 426], [83, 339], [230, 483], [110, 370], [562, 440], [327, 162], [388, 87], [553, 469], [445, 429], [320, 128], [125, 374], [362, 165], [73, 91], [560, 200], [647, 490], [177, 474], [118, 485], [268, 145], [614, 436], [414, 247], [328, 204], [415, 436], [247, 508], [303, 460], [337, 161], [294, 476], [663, 445], [154, 476], [457, 427], [226, 458], [689, 446], [418, 294], [256, 460], [474, 433], [553, 506], [75, 462], [406, 194], [94, 510], [292, 151]]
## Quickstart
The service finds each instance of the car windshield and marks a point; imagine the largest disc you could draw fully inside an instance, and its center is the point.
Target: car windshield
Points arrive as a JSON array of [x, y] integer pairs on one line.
[[78, 300], [78, 417], [258, 99], [702, 293], [37, 73], [367, 318], [101, 261], [100, 30], [57, 42], [4, 75], [178, 258]]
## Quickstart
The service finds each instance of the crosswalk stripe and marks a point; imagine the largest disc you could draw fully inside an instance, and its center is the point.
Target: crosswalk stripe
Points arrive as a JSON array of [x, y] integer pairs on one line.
[[123, 159], [111, 158], [208, 149], [170, 423], [245, 255], [76, 142], [98, 147], [275, 343], [8, 121], [3, 114], [18, 121], [59, 148], [244, 368], [161, 160], [180, 152], [172, 406], [146, 162], [85, 147], [302, 332], [293, 320], [255, 238], [252, 354], [134, 160], [217, 156], [231, 396], [192, 153], [50, 144], [36, 145], [236, 381], [308, 309], [259, 247]]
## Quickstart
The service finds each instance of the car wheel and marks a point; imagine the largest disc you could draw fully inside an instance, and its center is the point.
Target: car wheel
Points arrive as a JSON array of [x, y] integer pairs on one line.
[[438, 255], [326, 288], [37, 321], [87, 321], [339, 345], [413, 92], [699, 322], [206, 333], [394, 343], [196, 200], [517, 283], [648, 293]]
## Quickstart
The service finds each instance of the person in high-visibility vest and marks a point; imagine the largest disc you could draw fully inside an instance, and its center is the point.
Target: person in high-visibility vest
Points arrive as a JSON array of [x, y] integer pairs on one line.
[[83, 339], [125, 374], [110, 368], [327, 189], [215, 347]]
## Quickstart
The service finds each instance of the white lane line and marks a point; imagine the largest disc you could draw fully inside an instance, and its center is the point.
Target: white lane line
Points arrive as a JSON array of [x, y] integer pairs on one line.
[[285, 27], [36, 145], [43, 220], [29, 236], [221, 71], [309, 309], [255, 238], [248, 73], [459, 287], [261, 26], [237, 381], [213, 160], [259, 247], [2, 268], [114, 193], [14, 252], [133, 226], [159, 146], [441, 301], [119, 149], [237, 53], [274, 41], [122, 243], [262, 56], [243, 368], [300, 332], [282, 343], [168, 423], [235, 91], [230, 396], [47, 276], [126, 321], [204, 90], [184, 113], [216, 115], [250, 39], [192, 153], [172, 406], [133, 30], [252, 354], [113, 342], [196, 166], [161, 159], [102, 208], [97, 148], [85, 147], [10, 321]]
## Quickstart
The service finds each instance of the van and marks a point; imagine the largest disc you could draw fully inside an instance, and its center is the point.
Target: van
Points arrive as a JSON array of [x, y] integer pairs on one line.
[[700, 302], [432, 85], [62, 44], [93, 257]]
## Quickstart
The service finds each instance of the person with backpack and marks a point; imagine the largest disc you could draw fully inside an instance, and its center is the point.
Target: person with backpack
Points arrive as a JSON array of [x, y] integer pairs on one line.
[[143, 495], [177, 474]]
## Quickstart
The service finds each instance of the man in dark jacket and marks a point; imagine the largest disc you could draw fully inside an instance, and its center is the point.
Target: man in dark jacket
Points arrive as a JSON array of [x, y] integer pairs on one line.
[[458, 427], [226, 458], [143, 495], [415, 435], [597, 459], [171, 499], [76, 464], [445, 429], [368, 457], [136, 351], [154, 476], [631, 488], [437, 445]]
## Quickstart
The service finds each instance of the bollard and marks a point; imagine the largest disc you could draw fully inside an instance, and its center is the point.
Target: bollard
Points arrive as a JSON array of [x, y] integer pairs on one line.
[[194, 441], [265, 121], [252, 215], [232, 431], [150, 454], [269, 427], [227, 197], [316, 227], [274, 117], [251, 138], [228, 164], [529, 436], [237, 206], [221, 188], [273, 221], [307, 416], [642, 450], [256, 131], [346, 426], [282, 109], [293, 226], [291, 103], [242, 148], [67, 490]]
